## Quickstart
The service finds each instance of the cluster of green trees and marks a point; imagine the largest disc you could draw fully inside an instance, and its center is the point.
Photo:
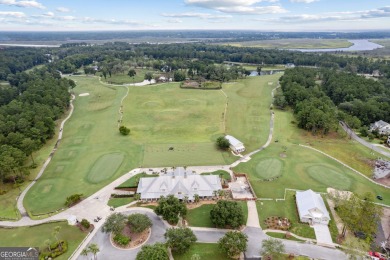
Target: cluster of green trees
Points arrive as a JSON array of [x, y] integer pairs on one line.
[[16, 59], [27, 117], [322, 97]]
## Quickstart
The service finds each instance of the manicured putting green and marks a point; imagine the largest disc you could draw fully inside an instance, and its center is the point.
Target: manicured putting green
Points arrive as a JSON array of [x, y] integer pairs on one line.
[[269, 168], [105, 167], [329, 177]]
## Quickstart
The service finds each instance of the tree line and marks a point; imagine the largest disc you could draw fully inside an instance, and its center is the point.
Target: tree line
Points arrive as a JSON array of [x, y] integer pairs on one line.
[[322, 97], [27, 119]]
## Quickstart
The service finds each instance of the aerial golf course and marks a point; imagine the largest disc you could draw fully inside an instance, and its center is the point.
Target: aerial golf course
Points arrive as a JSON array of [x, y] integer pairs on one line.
[[92, 153]]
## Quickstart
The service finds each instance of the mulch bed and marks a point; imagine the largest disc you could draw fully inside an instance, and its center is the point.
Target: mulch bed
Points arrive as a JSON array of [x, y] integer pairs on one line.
[[137, 239], [278, 223]]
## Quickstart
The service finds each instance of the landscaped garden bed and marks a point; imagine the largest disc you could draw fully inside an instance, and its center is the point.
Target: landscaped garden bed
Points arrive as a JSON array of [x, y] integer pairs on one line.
[[278, 223]]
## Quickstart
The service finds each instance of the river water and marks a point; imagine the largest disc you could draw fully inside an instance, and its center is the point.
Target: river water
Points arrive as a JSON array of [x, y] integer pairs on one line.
[[358, 45]]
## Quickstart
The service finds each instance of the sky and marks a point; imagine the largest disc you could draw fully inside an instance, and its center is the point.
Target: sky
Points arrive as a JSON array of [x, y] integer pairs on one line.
[[263, 15]]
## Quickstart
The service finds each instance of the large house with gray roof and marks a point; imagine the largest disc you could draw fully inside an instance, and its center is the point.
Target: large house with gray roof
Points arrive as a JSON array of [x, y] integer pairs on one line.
[[311, 208], [180, 183], [381, 126]]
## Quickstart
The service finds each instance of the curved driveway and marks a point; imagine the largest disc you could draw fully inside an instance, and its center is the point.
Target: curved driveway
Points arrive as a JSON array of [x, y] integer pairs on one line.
[[108, 251]]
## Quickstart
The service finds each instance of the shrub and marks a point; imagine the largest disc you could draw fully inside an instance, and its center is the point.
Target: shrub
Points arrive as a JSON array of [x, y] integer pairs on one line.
[[85, 223], [55, 250], [139, 222], [121, 239], [73, 199], [124, 130], [227, 213]]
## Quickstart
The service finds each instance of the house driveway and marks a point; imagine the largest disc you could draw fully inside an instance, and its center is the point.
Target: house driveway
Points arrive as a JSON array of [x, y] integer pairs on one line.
[[323, 235]]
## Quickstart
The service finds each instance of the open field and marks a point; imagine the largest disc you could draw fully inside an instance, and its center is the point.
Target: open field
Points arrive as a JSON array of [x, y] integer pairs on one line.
[[200, 216], [204, 250], [124, 78], [92, 153], [302, 168], [294, 43], [35, 236]]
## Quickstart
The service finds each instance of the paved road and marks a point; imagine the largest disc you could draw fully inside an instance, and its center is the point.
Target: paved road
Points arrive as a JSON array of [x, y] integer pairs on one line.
[[369, 145], [108, 251]]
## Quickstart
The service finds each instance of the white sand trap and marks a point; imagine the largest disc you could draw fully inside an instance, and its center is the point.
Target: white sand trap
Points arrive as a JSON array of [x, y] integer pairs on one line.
[[84, 94], [270, 83]]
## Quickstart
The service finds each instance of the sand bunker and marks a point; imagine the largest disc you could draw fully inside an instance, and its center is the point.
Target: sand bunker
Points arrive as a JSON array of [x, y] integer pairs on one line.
[[84, 94]]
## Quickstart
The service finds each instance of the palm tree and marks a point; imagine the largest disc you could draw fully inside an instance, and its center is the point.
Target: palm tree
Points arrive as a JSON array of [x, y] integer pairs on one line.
[[55, 234], [47, 244], [85, 252], [196, 198], [94, 249]]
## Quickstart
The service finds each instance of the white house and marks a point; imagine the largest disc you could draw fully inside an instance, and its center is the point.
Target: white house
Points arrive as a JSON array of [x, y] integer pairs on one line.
[[381, 126], [180, 183], [236, 145], [311, 208]]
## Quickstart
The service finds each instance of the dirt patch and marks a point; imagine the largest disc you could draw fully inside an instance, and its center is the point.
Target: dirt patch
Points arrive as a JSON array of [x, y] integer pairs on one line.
[[384, 181], [386, 222], [137, 239], [283, 155]]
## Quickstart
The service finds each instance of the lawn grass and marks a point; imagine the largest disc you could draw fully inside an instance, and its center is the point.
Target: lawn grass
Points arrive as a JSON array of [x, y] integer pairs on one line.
[[283, 236], [35, 236], [225, 175], [82, 163], [204, 250], [248, 113], [133, 181], [303, 168], [294, 43], [117, 202], [200, 216], [125, 79], [92, 153], [286, 209]]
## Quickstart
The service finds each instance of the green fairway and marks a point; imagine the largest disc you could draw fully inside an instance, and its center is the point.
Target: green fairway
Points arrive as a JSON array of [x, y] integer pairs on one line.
[[91, 154], [304, 168], [204, 250], [159, 155], [35, 236], [108, 163], [248, 113], [200, 216], [268, 168]]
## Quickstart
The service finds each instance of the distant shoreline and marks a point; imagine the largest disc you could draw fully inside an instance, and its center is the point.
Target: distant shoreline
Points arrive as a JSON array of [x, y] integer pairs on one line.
[[29, 45]]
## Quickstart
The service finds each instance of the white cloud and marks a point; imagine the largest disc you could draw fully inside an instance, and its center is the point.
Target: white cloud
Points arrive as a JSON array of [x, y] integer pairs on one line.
[[13, 14], [304, 1], [383, 12], [239, 6], [63, 10], [197, 15], [23, 3], [174, 21]]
